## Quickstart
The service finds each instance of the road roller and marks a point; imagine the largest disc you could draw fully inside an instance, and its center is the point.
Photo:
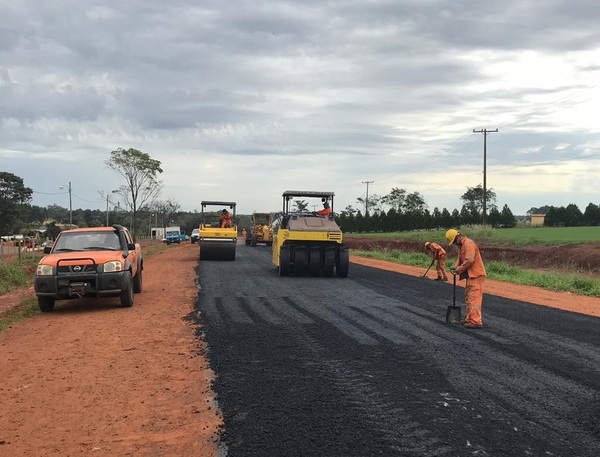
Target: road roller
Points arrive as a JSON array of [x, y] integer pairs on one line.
[[309, 243], [218, 230]]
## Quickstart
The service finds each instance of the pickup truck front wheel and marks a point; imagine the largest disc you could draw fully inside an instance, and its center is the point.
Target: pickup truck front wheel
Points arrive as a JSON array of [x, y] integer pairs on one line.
[[127, 293], [46, 304], [137, 282]]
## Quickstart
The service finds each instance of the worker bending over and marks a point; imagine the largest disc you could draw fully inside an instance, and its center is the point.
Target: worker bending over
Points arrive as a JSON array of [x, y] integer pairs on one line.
[[439, 257]]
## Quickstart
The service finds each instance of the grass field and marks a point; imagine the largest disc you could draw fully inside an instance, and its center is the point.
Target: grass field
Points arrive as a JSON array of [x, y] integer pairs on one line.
[[518, 236], [502, 271]]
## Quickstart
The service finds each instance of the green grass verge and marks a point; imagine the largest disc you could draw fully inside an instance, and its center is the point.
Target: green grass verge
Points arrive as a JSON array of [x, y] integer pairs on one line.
[[518, 236], [25, 308], [502, 271], [15, 274]]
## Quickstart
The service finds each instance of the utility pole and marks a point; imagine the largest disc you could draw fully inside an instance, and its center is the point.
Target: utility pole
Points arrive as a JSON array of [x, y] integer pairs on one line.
[[485, 134], [70, 205], [107, 210], [367, 199]]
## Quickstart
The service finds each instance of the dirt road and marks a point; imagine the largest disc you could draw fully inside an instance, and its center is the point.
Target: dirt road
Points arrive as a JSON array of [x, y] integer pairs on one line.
[[94, 378]]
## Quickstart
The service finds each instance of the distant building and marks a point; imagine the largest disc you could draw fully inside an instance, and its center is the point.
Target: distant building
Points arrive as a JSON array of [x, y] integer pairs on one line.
[[157, 233], [536, 220]]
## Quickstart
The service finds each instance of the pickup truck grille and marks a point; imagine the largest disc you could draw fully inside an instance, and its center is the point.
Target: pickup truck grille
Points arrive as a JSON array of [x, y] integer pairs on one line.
[[77, 269]]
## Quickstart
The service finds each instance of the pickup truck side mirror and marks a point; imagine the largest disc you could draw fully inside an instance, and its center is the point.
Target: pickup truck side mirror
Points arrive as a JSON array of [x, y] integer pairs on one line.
[[131, 246], [47, 249]]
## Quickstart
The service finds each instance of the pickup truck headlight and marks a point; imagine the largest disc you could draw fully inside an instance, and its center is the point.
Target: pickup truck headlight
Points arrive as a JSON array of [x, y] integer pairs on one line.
[[110, 267], [44, 270]]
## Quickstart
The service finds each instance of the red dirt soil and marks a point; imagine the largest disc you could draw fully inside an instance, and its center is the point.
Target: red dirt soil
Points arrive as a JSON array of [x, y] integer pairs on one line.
[[582, 258], [95, 378]]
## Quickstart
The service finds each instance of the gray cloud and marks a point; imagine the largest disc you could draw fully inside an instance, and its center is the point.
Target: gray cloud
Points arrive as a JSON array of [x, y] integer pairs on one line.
[[268, 91]]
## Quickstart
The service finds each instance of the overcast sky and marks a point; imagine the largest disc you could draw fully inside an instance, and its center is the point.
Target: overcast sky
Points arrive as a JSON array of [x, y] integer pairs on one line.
[[242, 100]]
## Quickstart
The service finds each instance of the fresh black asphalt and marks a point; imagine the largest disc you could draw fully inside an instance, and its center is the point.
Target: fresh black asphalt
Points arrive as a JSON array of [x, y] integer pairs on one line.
[[367, 366]]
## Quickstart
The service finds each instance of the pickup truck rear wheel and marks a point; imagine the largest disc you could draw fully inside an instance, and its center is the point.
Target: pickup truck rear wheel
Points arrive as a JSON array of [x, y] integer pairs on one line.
[[127, 293], [137, 282], [46, 304]]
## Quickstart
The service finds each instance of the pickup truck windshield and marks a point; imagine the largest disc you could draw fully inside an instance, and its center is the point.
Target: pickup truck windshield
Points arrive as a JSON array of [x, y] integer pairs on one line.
[[88, 241]]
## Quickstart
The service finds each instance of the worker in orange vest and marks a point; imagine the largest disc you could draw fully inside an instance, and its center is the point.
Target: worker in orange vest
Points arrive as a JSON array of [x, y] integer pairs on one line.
[[226, 221], [469, 266], [439, 256], [326, 211]]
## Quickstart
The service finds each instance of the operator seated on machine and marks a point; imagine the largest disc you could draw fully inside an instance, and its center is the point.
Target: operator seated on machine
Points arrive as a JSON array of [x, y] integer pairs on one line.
[[226, 221], [326, 211]]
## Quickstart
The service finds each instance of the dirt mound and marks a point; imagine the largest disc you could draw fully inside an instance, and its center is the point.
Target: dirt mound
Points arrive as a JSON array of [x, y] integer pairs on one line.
[[583, 258]]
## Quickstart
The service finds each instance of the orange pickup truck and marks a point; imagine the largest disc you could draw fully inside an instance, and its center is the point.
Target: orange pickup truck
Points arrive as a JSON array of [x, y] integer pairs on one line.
[[90, 262]]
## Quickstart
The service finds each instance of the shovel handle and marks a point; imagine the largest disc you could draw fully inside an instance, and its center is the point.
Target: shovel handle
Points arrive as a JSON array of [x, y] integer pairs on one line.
[[430, 265], [453, 290]]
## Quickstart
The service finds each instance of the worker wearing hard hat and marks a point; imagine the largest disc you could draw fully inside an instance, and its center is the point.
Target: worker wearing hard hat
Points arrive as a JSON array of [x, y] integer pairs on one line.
[[439, 256], [225, 219], [326, 211], [469, 266]]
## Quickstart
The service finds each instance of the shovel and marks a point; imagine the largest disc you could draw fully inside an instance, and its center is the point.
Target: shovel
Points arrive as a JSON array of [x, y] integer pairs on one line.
[[430, 265], [453, 312]]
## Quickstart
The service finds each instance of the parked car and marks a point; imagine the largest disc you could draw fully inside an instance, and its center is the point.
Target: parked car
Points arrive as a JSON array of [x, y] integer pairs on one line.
[[90, 262], [195, 236]]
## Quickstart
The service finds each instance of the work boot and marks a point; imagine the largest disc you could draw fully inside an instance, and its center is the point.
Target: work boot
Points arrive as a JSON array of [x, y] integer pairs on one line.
[[469, 325], [438, 279], [445, 279]]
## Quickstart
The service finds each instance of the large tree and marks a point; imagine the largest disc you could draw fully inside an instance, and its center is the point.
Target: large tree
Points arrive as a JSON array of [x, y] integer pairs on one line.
[[508, 219], [372, 204], [473, 199], [140, 172], [396, 199], [591, 215], [165, 211], [13, 198], [415, 203]]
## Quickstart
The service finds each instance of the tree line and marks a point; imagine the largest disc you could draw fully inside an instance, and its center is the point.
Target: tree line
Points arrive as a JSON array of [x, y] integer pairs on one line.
[[397, 211]]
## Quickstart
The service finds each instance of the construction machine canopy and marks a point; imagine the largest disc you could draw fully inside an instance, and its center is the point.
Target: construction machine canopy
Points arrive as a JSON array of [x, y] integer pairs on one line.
[[307, 193], [231, 205], [221, 204], [288, 195]]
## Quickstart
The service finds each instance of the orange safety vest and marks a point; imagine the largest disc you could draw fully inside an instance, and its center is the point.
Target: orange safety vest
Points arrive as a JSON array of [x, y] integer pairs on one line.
[[469, 259], [437, 250], [225, 220]]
